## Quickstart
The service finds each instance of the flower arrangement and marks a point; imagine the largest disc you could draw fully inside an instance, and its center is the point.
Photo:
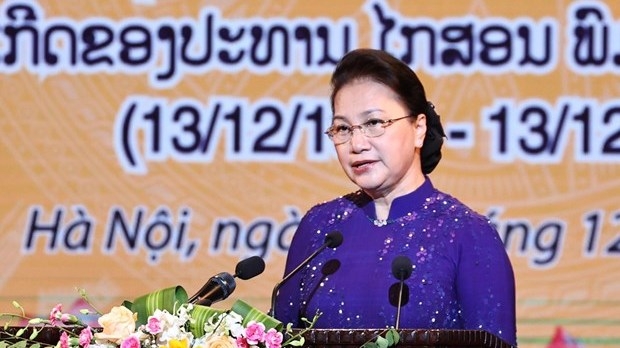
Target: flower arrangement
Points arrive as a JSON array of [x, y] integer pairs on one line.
[[162, 319]]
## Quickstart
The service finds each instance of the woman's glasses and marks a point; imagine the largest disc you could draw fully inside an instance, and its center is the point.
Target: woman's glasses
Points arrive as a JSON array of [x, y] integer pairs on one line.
[[341, 133]]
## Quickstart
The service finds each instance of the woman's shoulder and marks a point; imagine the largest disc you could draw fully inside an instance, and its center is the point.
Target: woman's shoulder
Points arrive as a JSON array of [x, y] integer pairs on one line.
[[324, 217], [348, 202], [456, 211], [338, 208]]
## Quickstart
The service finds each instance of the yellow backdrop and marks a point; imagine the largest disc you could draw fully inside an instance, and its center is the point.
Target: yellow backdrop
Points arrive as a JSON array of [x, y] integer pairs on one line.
[[151, 143]]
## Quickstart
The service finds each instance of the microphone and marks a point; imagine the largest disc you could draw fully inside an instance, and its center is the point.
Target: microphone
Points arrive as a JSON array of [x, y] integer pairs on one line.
[[220, 286], [332, 240], [215, 289], [249, 268], [401, 269]]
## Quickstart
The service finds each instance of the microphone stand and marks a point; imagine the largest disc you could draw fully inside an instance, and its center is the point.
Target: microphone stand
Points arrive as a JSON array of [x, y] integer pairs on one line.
[[400, 298], [332, 240], [401, 269], [288, 276]]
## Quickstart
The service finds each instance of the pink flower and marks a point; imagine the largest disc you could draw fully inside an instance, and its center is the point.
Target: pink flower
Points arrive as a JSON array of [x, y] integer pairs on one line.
[[273, 339], [86, 335], [55, 314], [242, 343], [64, 340], [131, 342], [67, 318], [255, 332], [154, 326]]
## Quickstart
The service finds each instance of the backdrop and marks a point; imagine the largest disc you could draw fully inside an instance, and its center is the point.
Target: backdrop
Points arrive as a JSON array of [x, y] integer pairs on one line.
[[151, 143]]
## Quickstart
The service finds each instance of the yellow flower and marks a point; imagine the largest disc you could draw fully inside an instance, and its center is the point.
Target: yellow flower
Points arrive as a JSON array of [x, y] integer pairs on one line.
[[175, 343], [117, 325]]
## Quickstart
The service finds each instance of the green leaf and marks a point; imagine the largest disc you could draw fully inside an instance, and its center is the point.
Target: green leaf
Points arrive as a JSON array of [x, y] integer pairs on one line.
[[297, 343], [392, 337], [20, 332], [370, 345], [201, 314], [289, 327], [34, 333], [169, 299], [20, 344], [382, 342], [250, 313]]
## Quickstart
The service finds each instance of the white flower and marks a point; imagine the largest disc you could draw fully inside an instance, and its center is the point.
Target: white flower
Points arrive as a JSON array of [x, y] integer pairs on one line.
[[233, 324], [173, 326]]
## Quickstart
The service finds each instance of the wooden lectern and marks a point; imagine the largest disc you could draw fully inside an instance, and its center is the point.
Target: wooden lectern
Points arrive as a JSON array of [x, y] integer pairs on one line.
[[343, 338], [332, 338]]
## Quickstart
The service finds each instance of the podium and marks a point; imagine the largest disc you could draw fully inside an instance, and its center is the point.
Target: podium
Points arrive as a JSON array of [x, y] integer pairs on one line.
[[345, 338], [436, 338]]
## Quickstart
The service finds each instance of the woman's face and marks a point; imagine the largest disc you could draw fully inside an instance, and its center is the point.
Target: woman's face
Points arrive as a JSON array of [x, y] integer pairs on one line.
[[384, 165]]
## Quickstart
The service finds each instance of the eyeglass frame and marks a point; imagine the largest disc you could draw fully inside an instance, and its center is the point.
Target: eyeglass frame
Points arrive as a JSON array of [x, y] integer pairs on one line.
[[384, 124]]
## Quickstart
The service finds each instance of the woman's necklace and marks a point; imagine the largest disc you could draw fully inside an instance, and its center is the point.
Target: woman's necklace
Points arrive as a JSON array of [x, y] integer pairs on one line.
[[380, 222]]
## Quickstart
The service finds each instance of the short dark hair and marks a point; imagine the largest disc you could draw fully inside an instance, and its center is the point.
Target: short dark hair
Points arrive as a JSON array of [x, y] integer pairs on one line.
[[382, 67]]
